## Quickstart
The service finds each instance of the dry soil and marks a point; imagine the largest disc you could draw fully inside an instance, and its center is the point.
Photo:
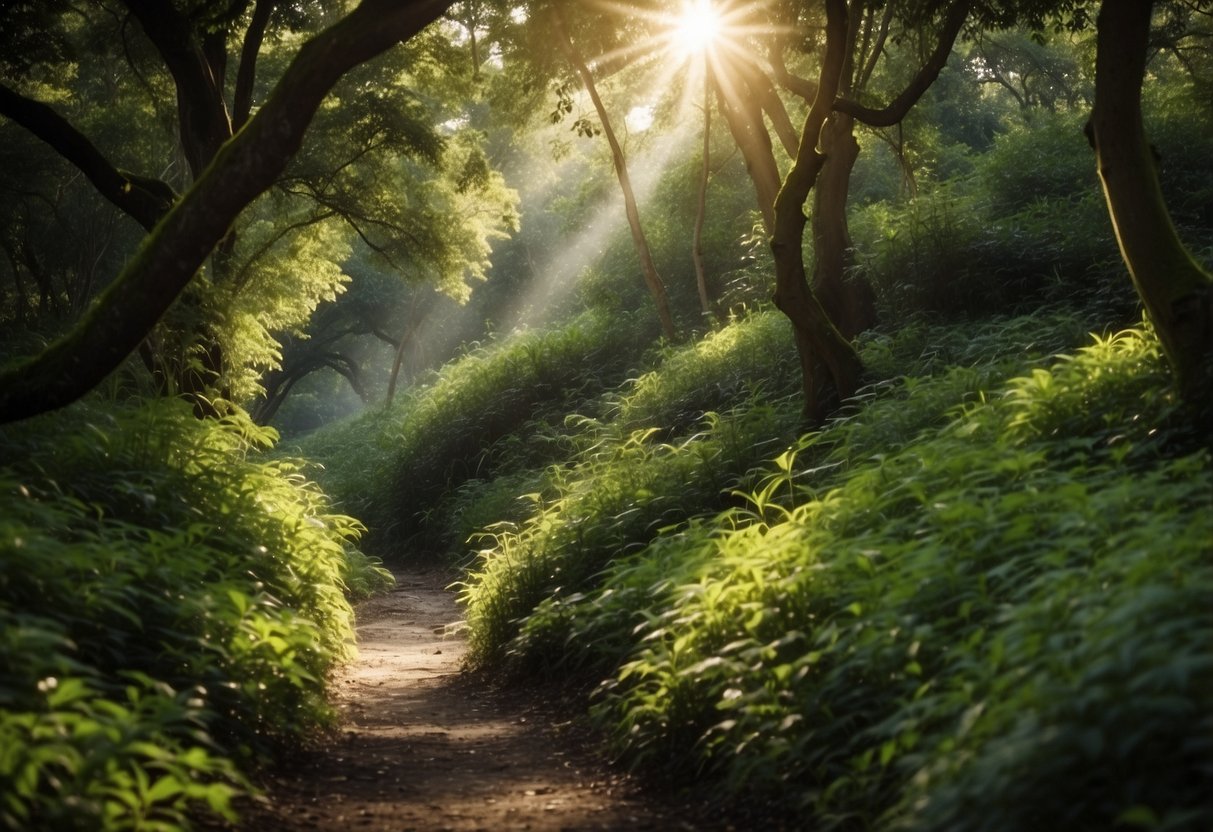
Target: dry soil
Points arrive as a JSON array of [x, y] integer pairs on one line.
[[426, 746]]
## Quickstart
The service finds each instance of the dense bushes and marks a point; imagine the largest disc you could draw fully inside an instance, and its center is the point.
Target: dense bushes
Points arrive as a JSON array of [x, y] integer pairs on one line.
[[485, 414], [1026, 226], [656, 459], [169, 610], [980, 600]]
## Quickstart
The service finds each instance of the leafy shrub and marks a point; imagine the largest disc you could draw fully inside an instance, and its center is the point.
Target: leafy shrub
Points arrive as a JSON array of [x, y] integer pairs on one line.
[[1045, 158], [951, 253], [615, 499], [713, 373], [169, 608], [1179, 122], [659, 458], [996, 619], [398, 470], [1027, 225]]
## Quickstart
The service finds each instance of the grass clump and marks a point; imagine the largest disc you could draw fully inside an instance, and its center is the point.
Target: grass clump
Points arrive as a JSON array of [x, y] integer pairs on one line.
[[170, 608]]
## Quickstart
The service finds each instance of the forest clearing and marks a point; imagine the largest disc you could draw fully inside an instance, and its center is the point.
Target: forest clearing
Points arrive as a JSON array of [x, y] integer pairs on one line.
[[606, 415]]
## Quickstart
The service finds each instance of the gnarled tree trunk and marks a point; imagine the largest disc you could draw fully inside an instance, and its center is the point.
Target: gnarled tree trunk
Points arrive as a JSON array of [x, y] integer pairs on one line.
[[817, 338]]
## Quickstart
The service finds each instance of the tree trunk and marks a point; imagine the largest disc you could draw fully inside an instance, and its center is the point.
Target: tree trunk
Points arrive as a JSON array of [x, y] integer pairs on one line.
[[706, 304], [849, 302], [745, 124], [647, 267], [1176, 290], [410, 329], [817, 338], [125, 313]]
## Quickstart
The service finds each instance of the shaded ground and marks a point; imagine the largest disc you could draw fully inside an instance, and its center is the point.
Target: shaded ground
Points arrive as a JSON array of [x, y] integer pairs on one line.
[[425, 747]]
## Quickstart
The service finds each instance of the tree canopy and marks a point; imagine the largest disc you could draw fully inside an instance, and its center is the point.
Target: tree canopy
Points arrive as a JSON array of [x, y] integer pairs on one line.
[[396, 168]]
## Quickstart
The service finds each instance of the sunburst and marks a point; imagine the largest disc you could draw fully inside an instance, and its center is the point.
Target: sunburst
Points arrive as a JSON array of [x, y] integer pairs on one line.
[[696, 29]]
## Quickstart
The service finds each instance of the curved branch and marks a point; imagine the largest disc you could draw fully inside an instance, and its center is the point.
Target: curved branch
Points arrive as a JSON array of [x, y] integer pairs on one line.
[[242, 100], [926, 76], [244, 167], [280, 383], [802, 87], [144, 199]]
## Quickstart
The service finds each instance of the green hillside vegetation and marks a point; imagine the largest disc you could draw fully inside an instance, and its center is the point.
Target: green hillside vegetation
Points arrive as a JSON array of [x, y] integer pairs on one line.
[[978, 601], [170, 608], [941, 561], [983, 585]]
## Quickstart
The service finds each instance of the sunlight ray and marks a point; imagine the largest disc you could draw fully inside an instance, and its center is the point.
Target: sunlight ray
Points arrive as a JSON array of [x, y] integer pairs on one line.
[[559, 275]]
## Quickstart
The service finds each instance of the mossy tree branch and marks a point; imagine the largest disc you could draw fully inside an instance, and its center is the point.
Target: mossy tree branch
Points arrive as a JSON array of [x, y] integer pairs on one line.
[[243, 168]]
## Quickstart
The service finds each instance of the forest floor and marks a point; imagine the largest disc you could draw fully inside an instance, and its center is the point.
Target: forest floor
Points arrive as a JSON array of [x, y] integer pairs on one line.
[[424, 745]]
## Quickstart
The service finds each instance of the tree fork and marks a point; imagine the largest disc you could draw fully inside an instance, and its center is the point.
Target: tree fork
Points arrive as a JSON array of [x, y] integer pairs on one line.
[[817, 338]]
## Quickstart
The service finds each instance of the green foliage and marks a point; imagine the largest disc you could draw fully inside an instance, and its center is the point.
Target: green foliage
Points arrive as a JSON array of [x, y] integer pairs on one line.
[[372, 192], [1043, 159], [169, 610], [1025, 222], [623, 490], [1179, 124], [1027, 226], [660, 458], [978, 600], [711, 373], [400, 470]]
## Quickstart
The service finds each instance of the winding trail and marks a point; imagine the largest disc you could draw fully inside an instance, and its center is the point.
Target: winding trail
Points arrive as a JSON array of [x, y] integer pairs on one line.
[[423, 746]]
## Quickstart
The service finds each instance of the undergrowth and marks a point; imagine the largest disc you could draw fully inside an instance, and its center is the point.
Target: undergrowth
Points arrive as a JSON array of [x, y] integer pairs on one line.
[[657, 457], [406, 471], [980, 599], [170, 608]]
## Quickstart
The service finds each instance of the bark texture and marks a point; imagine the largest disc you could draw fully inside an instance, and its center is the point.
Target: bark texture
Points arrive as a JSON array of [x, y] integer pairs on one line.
[[817, 338], [1176, 290], [850, 303]]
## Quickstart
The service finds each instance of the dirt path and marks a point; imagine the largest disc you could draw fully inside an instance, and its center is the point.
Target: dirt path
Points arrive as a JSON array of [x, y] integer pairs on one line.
[[424, 747]]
